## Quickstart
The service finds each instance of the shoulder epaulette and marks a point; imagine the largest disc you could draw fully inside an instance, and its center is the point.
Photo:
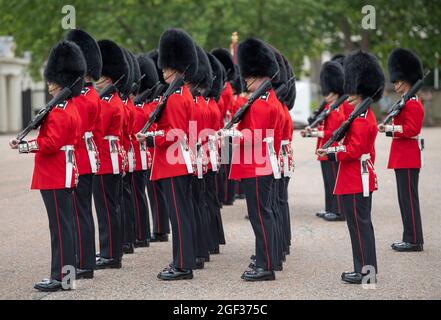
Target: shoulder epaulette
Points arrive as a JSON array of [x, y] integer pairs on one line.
[[108, 98], [179, 91], [139, 105], [265, 96], [85, 91], [62, 105]]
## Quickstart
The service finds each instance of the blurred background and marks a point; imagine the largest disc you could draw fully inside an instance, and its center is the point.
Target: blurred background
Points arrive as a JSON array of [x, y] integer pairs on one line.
[[307, 32]]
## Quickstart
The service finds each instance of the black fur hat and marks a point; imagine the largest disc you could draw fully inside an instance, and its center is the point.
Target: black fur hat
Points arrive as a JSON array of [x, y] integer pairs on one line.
[[115, 64], [148, 68], [339, 58], [282, 77], [136, 71], [129, 79], [91, 52], [224, 56], [256, 59], [332, 78], [218, 77], [291, 95], [204, 76], [405, 65], [363, 75], [65, 65], [178, 52], [154, 55], [238, 85]]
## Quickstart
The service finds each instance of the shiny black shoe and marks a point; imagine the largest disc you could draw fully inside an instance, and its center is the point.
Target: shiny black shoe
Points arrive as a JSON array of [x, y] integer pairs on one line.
[[84, 274], [142, 244], [407, 247], [172, 273], [49, 285], [333, 217], [215, 251], [159, 237], [128, 248], [321, 213], [200, 262], [104, 263], [258, 274], [356, 278]]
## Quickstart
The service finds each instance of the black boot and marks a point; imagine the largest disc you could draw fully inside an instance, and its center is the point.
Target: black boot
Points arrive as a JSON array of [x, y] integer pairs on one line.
[[407, 247], [170, 274], [258, 274], [159, 237], [104, 263]]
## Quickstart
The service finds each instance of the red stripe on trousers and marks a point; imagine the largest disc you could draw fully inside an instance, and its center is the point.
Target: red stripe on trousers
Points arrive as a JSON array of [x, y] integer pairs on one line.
[[59, 235], [179, 221], [137, 206], [335, 178], [108, 218], [358, 231], [79, 231], [411, 207], [261, 223], [157, 206]]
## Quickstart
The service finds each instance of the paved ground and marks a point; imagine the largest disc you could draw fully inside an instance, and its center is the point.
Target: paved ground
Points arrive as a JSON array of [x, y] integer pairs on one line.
[[321, 250]]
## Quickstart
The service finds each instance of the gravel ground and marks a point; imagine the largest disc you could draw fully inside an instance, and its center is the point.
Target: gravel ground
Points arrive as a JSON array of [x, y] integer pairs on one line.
[[321, 250]]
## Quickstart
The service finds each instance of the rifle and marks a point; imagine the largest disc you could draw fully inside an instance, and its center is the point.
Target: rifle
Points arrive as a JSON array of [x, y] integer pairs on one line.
[[398, 106], [144, 96], [281, 91], [136, 85], [264, 87], [111, 88], [43, 113], [316, 113], [324, 114], [359, 110], [156, 115]]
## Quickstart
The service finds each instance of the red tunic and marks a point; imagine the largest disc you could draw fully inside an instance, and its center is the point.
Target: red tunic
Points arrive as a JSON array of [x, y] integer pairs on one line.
[[140, 118], [227, 103], [168, 160], [61, 128], [250, 158], [405, 152], [359, 140], [288, 128], [88, 104], [332, 123], [111, 125], [127, 132], [347, 109]]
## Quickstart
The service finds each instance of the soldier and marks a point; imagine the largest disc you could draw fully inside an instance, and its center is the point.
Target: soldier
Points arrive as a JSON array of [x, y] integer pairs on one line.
[[257, 64], [228, 190], [55, 173], [86, 153], [177, 57], [356, 179], [405, 70], [107, 183], [331, 81]]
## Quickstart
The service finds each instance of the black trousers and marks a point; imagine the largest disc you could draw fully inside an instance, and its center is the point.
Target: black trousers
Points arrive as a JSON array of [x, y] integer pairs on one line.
[[158, 206], [107, 198], [128, 210], [60, 211], [142, 215], [358, 216], [178, 192], [85, 227], [258, 197], [227, 187], [276, 210], [333, 203], [282, 199], [201, 218], [287, 213], [408, 198], [214, 206]]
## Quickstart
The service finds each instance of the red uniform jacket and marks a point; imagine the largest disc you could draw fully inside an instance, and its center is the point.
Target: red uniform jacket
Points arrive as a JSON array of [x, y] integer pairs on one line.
[[127, 132], [250, 158], [227, 101], [88, 104], [332, 123], [359, 140], [347, 109], [288, 128], [239, 101], [61, 128], [168, 160], [112, 109], [140, 118], [214, 123], [405, 152]]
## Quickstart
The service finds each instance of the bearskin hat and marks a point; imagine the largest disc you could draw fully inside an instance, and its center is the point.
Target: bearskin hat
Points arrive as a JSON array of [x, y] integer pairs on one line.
[[332, 78], [218, 77], [130, 78], [154, 55], [238, 84], [177, 51], [148, 68], [136, 70], [363, 75], [65, 65], [282, 77], [91, 52], [115, 64], [291, 95], [339, 58], [224, 56], [404, 65], [256, 59], [204, 76]]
